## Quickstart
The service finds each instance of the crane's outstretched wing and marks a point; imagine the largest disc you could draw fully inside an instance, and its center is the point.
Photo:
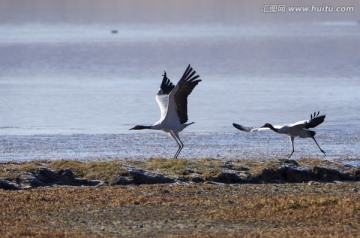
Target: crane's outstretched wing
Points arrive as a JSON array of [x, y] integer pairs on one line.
[[162, 97], [315, 120], [177, 106], [253, 129]]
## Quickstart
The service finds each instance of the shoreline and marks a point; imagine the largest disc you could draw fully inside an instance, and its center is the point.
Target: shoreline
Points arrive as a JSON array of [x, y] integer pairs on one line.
[[42, 173]]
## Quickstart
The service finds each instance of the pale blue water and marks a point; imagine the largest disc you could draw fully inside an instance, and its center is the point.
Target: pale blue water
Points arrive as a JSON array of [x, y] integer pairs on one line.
[[74, 90]]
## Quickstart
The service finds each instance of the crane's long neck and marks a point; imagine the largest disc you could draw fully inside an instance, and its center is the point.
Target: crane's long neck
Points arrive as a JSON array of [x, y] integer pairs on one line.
[[272, 128]]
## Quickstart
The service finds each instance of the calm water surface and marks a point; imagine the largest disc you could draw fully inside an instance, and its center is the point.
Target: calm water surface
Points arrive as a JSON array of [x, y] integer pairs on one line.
[[73, 91]]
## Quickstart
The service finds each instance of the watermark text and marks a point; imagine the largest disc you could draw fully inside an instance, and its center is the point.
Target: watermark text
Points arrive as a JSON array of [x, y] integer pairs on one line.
[[280, 8]]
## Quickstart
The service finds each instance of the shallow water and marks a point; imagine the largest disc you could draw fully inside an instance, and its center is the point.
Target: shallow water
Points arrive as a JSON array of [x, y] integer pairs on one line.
[[73, 91], [339, 147]]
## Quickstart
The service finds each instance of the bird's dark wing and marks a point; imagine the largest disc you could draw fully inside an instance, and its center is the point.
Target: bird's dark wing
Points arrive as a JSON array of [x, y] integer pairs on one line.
[[166, 85], [178, 96], [242, 128], [315, 120]]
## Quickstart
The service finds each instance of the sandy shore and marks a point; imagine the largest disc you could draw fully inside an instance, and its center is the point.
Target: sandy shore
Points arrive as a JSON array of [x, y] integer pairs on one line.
[[178, 209]]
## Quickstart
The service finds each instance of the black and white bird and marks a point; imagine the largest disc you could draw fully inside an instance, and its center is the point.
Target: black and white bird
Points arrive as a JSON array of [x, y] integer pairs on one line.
[[172, 101], [300, 129]]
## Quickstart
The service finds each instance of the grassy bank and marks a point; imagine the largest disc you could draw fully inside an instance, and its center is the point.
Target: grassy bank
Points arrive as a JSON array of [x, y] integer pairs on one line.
[[180, 169]]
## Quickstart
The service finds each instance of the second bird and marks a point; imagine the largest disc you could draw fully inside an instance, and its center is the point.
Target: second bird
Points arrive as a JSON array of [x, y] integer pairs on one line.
[[300, 129]]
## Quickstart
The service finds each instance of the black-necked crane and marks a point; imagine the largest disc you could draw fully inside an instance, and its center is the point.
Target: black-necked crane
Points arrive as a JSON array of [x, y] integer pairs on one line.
[[300, 129], [172, 101]]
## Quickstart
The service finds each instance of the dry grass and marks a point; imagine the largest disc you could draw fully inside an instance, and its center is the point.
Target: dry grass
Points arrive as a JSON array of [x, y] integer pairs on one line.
[[295, 210], [173, 210], [105, 171], [171, 167], [311, 162]]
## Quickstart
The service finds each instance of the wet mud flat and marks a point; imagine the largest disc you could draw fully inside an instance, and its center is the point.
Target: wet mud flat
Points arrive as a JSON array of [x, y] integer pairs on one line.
[[342, 146]]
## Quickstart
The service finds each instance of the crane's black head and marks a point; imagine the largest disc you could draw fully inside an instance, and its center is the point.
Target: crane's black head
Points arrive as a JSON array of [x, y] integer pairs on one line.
[[267, 125], [140, 127]]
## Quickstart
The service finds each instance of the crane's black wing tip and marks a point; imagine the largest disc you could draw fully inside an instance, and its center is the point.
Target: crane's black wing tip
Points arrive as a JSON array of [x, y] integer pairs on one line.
[[166, 85], [196, 81], [241, 128], [316, 114], [315, 120]]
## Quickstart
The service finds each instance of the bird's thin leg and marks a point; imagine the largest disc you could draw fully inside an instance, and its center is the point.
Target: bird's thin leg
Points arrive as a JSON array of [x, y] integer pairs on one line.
[[178, 141], [292, 143], [174, 137], [318, 145], [178, 152], [181, 145]]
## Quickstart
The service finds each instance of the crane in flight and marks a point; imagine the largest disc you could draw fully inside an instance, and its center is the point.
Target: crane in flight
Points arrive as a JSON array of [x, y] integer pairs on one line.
[[172, 101], [300, 129]]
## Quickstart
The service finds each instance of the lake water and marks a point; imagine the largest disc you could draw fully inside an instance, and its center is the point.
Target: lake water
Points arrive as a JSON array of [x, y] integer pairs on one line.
[[74, 90]]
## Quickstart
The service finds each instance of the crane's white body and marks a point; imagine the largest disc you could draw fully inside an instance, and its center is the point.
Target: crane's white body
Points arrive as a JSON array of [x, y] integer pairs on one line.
[[294, 130], [169, 120]]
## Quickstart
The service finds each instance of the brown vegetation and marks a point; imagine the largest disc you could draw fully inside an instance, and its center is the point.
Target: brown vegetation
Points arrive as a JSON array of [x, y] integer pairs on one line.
[[205, 209], [197, 210]]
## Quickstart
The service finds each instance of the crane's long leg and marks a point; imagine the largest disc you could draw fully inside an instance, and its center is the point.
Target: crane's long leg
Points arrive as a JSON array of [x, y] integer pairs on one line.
[[292, 144], [318, 145], [181, 145], [174, 137], [180, 148], [178, 141]]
